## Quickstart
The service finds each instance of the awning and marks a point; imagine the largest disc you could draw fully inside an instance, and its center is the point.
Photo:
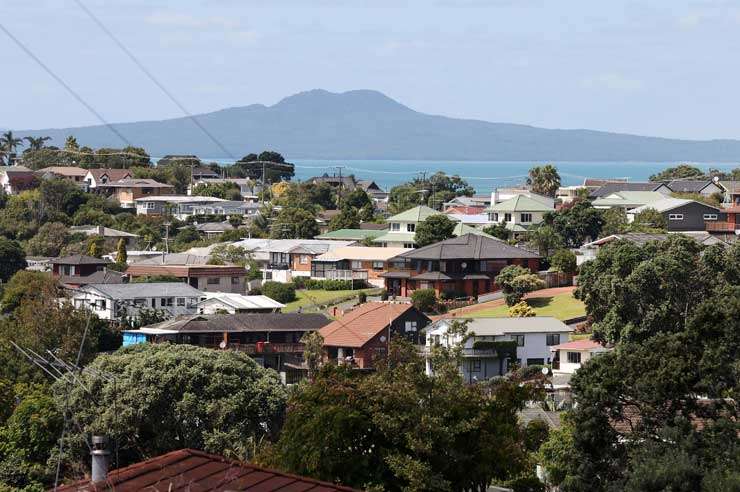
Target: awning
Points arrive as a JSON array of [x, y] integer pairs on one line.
[[432, 276], [395, 274]]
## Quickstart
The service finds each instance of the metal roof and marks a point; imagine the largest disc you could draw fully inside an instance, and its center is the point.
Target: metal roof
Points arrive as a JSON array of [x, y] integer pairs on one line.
[[361, 253], [667, 204], [468, 246], [351, 234], [139, 290], [239, 301], [78, 260], [243, 322], [503, 326], [520, 203], [416, 214], [613, 187]]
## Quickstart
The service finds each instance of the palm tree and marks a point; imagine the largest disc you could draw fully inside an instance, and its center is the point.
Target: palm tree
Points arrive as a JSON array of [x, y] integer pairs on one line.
[[8, 144], [544, 180], [36, 143]]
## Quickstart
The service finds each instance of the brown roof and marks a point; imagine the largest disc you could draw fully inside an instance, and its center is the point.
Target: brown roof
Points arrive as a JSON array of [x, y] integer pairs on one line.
[[601, 181], [63, 171], [141, 269], [244, 322], [469, 247], [113, 174], [188, 469], [137, 183], [360, 325]]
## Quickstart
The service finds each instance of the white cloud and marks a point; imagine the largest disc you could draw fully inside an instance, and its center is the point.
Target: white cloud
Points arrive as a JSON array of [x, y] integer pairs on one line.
[[612, 81]]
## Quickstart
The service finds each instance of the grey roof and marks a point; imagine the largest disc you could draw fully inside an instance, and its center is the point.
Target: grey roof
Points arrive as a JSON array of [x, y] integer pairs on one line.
[[689, 186], [240, 322], [213, 227], [101, 277], [107, 231], [610, 188], [469, 246], [667, 204], [642, 238], [175, 259], [79, 260], [138, 290], [502, 326]]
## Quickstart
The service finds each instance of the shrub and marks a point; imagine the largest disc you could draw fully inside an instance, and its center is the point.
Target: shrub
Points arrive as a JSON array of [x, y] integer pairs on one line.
[[278, 291], [384, 295], [361, 298], [424, 299], [521, 310], [563, 260], [257, 291]]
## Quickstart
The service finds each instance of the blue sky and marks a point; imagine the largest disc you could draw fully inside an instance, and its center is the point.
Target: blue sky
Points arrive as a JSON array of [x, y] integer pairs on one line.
[[665, 68]]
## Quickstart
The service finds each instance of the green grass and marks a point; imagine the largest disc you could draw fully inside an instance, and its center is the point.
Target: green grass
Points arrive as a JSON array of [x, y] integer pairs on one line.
[[307, 299], [563, 306]]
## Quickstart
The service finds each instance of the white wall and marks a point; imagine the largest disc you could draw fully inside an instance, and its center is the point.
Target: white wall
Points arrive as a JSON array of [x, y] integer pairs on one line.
[[516, 217], [95, 302]]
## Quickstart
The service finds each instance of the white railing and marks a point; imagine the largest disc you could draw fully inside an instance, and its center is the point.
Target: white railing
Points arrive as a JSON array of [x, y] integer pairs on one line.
[[346, 274]]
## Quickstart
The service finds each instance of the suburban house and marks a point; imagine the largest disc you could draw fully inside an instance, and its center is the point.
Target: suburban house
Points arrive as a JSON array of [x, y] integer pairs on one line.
[[732, 192], [569, 356], [179, 206], [227, 207], [99, 177], [228, 303], [354, 263], [69, 173], [283, 259], [197, 470], [460, 266], [364, 333], [589, 250], [683, 215], [212, 229], [484, 356], [567, 194], [518, 213], [14, 179], [728, 229], [202, 172], [194, 271], [373, 190], [248, 189], [628, 199], [110, 236], [122, 302], [475, 202], [704, 187], [77, 270], [609, 187], [474, 220], [358, 235], [272, 339], [127, 191]]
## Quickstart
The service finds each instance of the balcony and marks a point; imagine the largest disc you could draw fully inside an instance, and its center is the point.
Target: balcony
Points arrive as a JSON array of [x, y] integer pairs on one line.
[[721, 226], [346, 274], [278, 266], [266, 348]]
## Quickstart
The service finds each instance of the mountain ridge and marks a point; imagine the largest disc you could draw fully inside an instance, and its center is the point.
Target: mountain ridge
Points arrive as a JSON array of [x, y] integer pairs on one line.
[[367, 124]]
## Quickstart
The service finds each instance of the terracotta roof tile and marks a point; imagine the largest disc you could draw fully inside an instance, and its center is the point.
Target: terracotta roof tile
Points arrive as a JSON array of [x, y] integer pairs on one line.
[[360, 325]]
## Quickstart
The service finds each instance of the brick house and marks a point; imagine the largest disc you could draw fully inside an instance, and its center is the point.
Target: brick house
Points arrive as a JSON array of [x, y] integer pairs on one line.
[[355, 262]]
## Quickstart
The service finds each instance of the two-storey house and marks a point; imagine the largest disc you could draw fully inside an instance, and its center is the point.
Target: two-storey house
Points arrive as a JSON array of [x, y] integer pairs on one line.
[[127, 191], [518, 213], [98, 177], [683, 215], [355, 263], [194, 271], [402, 227]]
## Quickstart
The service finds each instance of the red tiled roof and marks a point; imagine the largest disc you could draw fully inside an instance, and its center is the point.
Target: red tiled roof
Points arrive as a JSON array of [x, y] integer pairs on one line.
[[188, 469], [360, 325], [578, 345], [465, 210], [113, 174]]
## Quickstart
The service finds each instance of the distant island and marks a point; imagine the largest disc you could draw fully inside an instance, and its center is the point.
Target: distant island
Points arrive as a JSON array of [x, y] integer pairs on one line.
[[365, 124]]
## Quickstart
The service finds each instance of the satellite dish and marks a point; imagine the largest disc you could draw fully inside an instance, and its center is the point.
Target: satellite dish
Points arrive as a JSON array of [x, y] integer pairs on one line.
[[545, 371], [222, 345], [464, 265], [382, 338], [715, 179]]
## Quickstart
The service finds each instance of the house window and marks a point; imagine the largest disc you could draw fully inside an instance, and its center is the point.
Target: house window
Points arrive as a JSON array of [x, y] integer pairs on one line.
[[410, 326], [442, 266], [574, 357], [139, 302], [410, 227], [535, 362], [395, 226], [408, 245], [377, 265], [553, 339], [149, 205], [147, 191], [356, 264], [475, 365], [165, 301], [526, 218], [181, 301], [519, 340], [710, 216], [101, 305], [213, 281], [507, 217], [494, 217], [304, 259], [675, 216]]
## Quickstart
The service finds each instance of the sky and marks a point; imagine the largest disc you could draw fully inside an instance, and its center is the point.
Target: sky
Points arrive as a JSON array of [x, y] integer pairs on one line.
[[664, 68]]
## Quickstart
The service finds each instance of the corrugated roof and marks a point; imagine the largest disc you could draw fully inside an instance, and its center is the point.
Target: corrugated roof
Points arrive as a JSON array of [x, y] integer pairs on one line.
[[578, 345], [416, 214], [396, 237], [239, 301], [107, 231], [351, 234], [242, 322], [181, 199], [361, 253], [520, 203], [628, 199], [469, 246], [138, 290], [689, 186], [78, 260], [175, 259], [137, 183], [360, 325], [614, 187], [665, 205]]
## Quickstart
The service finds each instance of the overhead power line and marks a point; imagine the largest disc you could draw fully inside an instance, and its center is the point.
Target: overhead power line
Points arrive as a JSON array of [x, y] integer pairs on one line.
[[153, 78], [63, 84]]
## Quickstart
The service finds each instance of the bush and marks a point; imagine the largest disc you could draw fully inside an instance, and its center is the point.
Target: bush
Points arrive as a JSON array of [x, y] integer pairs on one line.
[[384, 295], [449, 295], [563, 260], [424, 299], [257, 291], [361, 298], [278, 291], [315, 284], [521, 310]]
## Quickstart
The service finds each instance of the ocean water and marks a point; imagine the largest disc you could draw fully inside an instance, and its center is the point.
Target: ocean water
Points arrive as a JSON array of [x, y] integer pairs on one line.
[[483, 176]]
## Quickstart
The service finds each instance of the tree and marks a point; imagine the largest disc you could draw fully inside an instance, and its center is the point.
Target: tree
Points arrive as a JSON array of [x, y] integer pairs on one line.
[[61, 197], [544, 180], [226, 190], [274, 165], [36, 143], [434, 229], [432, 191], [577, 224], [24, 284], [13, 258], [681, 171], [515, 281], [313, 351], [385, 430], [278, 291], [424, 300], [497, 230], [121, 253], [564, 261], [294, 223], [271, 156], [357, 198], [615, 222], [521, 310], [347, 218], [9, 143], [219, 401], [49, 240], [95, 246], [649, 219], [545, 239]]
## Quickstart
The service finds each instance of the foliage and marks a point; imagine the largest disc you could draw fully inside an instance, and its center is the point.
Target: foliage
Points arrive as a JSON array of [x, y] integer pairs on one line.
[[681, 171], [361, 298], [313, 351], [13, 258], [95, 245], [49, 240], [185, 237], [515, 281], [576, 224], [545, 239], [283, 293], [347, 218], [497, 230], [521, 310], [219, 401], [650, 219], [251, 166], [424, 300], [294, 223], [434, 229], [615, 222], [25, 284], [564, 261], [544, 180], [432, 191], [227, 190], [328, 284], [385, 430], [357, 198], [121, 253]]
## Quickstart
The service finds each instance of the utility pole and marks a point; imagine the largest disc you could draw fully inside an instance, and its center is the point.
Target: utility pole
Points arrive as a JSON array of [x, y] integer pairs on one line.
[[341, 183], [263, 182]]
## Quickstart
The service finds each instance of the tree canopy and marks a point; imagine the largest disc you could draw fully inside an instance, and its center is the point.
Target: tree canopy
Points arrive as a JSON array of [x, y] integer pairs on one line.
[[432, 191], [434, 229], [544, 180]]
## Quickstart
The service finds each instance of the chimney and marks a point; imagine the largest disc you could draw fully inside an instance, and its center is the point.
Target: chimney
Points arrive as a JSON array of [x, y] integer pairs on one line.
[[494, 196], [100, 455]]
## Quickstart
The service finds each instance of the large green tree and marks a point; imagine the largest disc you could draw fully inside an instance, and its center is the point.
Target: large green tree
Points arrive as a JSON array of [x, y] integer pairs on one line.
[[681, 171], [432, 191], [294, 223], [577, 224], [226, 190], [12, 258], [434, 229], [49, 240], [544, 180]]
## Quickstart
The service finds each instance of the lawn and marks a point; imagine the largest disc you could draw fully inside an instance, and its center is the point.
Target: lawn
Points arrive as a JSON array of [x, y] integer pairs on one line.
[[307, 299], [563, 306]]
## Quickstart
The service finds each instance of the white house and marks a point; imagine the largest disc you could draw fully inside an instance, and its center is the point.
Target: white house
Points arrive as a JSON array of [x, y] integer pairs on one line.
[[568, 357], [519, 213], [402, 227], [114, 302], [534, 338], [224, 302]]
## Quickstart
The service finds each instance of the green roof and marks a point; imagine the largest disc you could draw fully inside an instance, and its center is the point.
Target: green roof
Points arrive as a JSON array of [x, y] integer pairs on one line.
[[461, 229], [520, 203], [416, 214], [396, 237], [351, 234]]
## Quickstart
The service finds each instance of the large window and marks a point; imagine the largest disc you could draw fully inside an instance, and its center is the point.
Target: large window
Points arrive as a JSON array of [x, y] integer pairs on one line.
[[356, 264], [304, 259], [574, 357], [519, 340], [553, 339], [410, 326], [710, 216], [410, 227], [526, 218], [494, 217], [507, 217], [377, 265], [181, 301], [166, 301]]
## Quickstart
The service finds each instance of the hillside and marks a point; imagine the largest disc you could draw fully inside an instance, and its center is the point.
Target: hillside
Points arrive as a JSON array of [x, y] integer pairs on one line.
[[366, 124]]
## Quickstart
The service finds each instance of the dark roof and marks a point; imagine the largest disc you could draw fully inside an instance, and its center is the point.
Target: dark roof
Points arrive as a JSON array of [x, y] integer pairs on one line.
[[78, 260], [689, 186], [241, 322], [609, 188], [188, 469], [601, 181], [468, 247], [101, 277]]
